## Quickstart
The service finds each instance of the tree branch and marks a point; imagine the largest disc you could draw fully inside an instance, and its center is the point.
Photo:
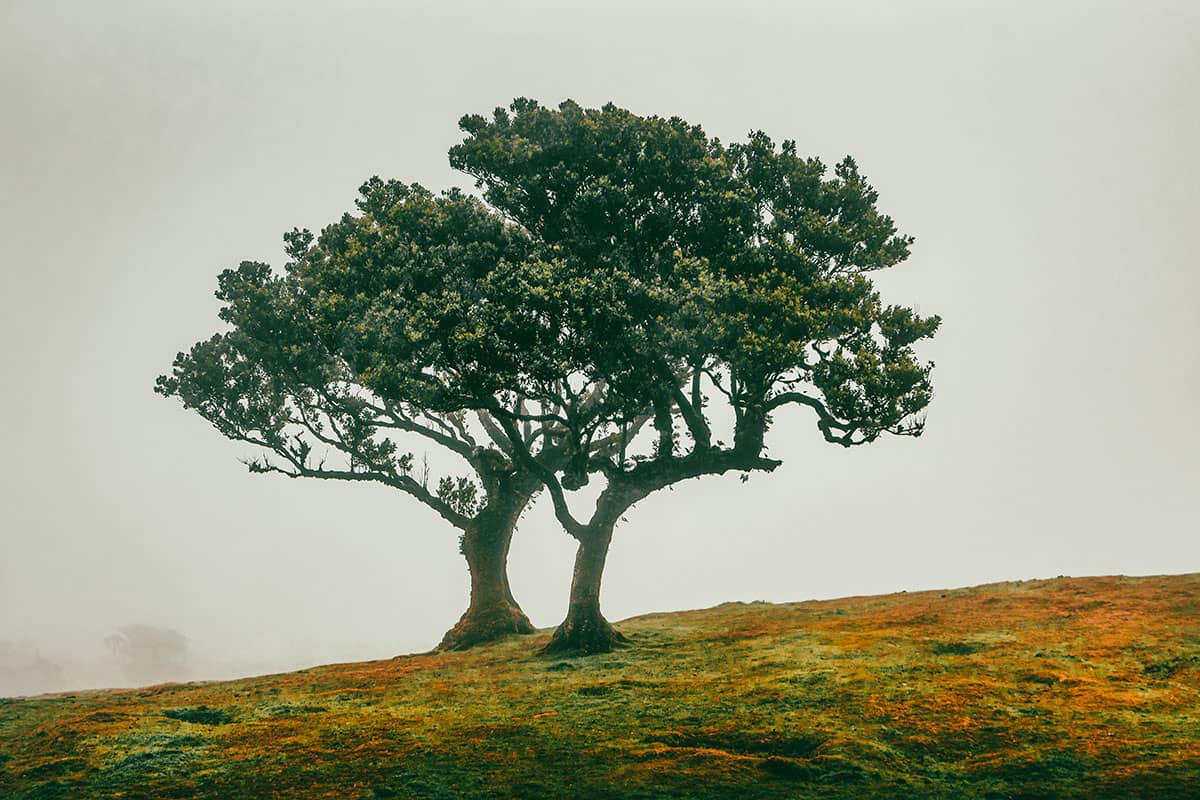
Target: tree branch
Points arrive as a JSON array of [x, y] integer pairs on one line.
[[561, 510], [647, 477], [826, 422], [693, 417], [401, 482]]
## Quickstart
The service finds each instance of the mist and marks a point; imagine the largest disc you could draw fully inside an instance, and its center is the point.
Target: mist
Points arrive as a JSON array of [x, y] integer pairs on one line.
[[1045, 159]]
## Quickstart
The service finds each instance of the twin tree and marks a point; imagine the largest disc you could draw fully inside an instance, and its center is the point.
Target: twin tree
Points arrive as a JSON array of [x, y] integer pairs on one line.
[[631, 305]]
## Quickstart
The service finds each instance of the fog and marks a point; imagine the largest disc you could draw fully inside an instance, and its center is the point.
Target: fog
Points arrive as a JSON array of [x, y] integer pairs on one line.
[[1045, 157]]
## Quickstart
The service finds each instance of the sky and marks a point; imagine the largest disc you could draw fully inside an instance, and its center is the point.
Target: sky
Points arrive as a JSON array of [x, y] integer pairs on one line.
[[1044, 156]]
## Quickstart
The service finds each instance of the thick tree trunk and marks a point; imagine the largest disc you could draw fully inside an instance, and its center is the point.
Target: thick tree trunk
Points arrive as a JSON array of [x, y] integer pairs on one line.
[[493, 612], [585, 630]]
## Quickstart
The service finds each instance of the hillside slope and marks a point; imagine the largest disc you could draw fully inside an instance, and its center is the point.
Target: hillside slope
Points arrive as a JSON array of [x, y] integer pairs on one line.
[[1075, 687]]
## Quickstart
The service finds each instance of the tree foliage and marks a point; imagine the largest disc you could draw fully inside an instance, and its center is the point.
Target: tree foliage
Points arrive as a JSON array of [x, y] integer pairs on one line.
[[327, 368], [679, 278], [672, 270], [630, 299]]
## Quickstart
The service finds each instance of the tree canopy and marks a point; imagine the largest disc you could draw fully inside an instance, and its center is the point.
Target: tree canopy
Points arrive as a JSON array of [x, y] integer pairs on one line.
[[631, 301], [692, 282], [280, 380]]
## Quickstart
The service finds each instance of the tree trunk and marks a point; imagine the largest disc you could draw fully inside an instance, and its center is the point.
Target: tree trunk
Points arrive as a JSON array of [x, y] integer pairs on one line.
[[585, 630], [493, 612]]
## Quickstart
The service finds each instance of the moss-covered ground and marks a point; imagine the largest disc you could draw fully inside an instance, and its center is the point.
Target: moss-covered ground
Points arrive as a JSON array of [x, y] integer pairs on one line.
[[1067, 688]]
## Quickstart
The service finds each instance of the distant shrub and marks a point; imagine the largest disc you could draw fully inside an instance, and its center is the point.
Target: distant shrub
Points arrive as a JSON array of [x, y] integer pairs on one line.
[[201, 715], [148, 654]]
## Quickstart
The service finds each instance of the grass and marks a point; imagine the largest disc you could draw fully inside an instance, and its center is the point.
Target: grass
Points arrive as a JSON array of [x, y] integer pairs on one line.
[[1069, 688]]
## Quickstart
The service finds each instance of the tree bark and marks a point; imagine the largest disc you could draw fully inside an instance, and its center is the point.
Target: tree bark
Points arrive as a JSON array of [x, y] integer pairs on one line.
[[585, 630], [493, 612]]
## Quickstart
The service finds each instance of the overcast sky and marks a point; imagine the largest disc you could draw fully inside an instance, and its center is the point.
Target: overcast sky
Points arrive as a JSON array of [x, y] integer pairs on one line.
[[1044, 155]]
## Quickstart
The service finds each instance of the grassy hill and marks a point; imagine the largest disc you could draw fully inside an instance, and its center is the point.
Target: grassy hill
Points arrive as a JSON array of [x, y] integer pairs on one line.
[[1075, 687]]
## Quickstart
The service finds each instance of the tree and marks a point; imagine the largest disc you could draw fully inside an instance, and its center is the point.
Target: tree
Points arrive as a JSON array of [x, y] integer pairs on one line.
[[148, 654], [279, 380], [683, 279]]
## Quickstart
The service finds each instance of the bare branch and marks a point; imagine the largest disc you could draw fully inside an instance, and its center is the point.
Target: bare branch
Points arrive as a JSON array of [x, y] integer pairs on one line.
[[561, 510], [828, 424], [495, 433], [693, 415]]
